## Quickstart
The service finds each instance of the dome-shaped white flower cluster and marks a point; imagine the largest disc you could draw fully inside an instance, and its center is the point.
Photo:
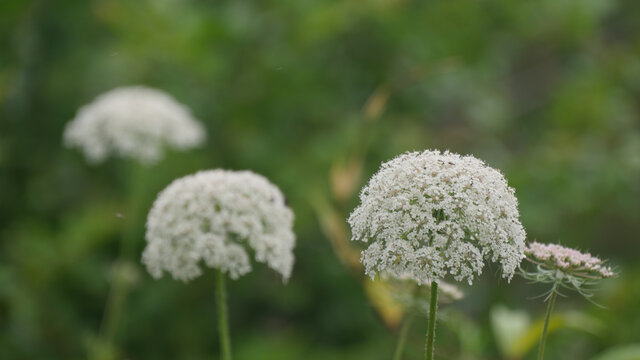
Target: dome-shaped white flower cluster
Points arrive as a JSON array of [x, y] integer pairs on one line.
[[219, 217], [133, 122], [429, 214]]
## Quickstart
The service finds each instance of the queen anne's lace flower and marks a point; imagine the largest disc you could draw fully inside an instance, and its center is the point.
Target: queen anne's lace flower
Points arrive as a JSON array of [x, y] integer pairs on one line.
[[564, 268], [570, 261], [219, 217], [429, 214], [133, 122]]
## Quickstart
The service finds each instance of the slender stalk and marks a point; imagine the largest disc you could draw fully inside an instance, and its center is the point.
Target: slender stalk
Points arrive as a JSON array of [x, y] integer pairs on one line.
[[119, 288], [135, 184], [431, 328], [402, 338], [113, 309], [223, 322], [545, 329]]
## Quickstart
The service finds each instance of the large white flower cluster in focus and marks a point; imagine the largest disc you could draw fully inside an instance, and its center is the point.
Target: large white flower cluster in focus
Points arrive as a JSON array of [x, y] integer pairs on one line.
[[219, 217], [431, 214], [133, 122]]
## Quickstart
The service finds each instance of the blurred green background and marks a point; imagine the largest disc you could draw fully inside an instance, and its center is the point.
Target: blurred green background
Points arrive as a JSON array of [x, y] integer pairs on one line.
[[314, 94]]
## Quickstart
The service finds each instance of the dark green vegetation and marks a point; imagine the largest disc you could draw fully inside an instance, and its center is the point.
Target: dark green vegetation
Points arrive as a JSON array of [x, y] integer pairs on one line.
[[314, 95]]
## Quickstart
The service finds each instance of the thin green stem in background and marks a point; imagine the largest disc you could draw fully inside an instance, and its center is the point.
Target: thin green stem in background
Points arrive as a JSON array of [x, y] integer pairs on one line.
[[402, 338], [223, 322], [113, 309], [545, 329], [137, 189], [431, 328], [119, 288]]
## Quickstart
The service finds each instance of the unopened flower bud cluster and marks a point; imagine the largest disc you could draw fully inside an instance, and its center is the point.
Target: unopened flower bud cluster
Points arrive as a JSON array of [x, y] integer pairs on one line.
[[567, 260]]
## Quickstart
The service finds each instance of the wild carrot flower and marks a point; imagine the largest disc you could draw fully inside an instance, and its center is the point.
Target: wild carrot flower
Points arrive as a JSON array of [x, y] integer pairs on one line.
[[137, 123], [431, 214], [219, 217], [427, 215], [133, 122], [568, 261], [563, 268]]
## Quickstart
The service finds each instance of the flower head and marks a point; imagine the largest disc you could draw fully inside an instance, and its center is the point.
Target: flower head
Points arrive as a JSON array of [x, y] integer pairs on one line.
[[565, 267], [429, 214], [569, 261], [219, 217], [133, 122]]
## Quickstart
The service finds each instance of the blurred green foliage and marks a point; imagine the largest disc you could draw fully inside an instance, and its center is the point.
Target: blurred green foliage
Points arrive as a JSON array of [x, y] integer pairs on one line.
[[311, 94]]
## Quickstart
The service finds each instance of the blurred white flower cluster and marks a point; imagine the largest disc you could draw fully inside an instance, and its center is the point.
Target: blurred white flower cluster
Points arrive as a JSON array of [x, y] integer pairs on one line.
[[570, 261], [416, 298], [133, 122], [428, 214], [219, 217]]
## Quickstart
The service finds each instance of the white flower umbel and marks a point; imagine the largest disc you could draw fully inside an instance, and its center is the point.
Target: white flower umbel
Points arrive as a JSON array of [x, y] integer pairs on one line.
[[219, 217], [133, 122], [431, 214]]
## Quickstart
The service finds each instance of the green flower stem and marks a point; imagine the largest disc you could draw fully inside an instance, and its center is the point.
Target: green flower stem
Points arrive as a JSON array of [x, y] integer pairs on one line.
[[113, 309], [431, 328], [135, 199], [223, 322], [119, 288], [402, 338], [545, 329]]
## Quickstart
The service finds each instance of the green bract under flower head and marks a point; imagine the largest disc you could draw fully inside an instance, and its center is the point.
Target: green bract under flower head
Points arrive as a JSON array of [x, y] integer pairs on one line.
[[219, 217], [431, 214]]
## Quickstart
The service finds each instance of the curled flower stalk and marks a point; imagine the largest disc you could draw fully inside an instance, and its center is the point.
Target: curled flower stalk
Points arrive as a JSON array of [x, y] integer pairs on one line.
[[431, 215], [563, 268], [220, 219]]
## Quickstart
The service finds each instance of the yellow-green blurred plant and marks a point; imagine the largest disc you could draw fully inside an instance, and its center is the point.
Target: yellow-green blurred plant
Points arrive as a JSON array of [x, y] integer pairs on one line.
[[517, 334]]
